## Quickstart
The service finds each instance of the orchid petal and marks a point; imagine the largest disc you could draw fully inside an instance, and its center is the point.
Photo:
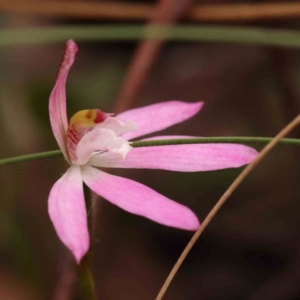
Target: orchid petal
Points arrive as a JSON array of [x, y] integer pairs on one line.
[[182, 158], [139, 199], [158, 116], [67, 211], [100, 139], [57, 100]]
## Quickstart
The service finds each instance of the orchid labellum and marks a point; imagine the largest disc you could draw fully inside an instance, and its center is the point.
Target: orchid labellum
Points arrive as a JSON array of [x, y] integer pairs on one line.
[[94, 139]]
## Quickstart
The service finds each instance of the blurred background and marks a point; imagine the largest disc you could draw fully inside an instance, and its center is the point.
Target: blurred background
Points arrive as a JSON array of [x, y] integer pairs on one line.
[[251, 249]]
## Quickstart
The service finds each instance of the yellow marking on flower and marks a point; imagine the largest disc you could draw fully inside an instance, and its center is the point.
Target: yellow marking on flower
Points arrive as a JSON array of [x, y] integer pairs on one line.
[[87, 118]]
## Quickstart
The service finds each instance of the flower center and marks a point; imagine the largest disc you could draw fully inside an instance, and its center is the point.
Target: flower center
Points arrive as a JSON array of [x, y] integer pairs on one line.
[[81, 123], [91, 131]]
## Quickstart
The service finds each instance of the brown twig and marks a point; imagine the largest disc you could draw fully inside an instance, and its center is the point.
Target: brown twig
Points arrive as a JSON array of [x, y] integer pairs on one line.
[[141, 12], [244, 12], [79, 9], [166, 12], [223, 199]]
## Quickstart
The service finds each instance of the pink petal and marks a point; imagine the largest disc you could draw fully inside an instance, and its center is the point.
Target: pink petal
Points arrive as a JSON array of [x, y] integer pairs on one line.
[[183, 158], [57, 100], [139, 199], [67, 211], [158, 116]]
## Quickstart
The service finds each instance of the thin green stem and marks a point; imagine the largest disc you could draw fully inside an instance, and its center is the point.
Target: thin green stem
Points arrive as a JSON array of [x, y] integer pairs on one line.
[[84, 271], [22, 158], [215, 140], [181, 33], [138, 144]]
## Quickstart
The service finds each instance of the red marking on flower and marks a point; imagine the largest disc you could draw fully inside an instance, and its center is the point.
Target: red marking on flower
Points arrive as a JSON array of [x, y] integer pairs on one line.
[[73, 138], [100, 116]]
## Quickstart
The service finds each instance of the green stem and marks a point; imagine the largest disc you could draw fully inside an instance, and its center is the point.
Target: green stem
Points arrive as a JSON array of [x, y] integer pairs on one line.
[[215, 140], [182, 33], [84, 272], [137, 144], [22, 158]]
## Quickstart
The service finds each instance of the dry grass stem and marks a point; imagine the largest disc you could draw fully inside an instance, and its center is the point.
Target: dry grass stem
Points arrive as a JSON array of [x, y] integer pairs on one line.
[[222, 200]]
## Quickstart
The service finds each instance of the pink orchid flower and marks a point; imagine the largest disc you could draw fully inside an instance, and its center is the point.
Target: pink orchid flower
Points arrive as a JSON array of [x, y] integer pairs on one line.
[[94, 139]]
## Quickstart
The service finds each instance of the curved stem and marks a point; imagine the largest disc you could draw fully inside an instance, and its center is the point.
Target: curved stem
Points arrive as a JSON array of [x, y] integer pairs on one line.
[[138, 144], [274, 141]]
